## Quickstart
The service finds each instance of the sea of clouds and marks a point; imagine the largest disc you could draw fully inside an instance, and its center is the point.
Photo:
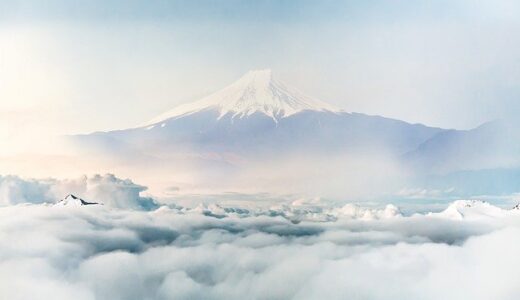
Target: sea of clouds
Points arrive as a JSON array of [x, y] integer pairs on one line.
[[132, 247]]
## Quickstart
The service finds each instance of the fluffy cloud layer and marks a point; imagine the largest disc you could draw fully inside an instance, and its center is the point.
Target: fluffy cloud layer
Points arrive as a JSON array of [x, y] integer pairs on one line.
[[108, 189], [294, 251]]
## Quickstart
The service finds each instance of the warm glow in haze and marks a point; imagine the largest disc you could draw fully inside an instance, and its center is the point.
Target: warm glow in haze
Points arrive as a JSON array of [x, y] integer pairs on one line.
[[98, 68], [273, 149]]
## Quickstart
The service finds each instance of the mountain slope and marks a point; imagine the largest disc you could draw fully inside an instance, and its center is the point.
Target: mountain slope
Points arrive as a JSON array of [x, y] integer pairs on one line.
[[491, 145], [257, 117], [309, 131], [256, 92], [260, 134]]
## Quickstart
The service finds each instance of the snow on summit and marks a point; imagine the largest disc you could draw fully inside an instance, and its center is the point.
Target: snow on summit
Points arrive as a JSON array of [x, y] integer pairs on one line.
[[256, 91]]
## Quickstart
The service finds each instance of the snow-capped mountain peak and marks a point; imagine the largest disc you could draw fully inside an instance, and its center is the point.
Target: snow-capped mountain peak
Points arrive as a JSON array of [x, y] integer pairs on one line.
[[471, 209], [256, 92], [72, 200]]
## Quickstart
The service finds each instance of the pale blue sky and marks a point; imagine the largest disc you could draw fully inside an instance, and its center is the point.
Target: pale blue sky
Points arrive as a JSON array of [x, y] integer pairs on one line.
[[73, 66]]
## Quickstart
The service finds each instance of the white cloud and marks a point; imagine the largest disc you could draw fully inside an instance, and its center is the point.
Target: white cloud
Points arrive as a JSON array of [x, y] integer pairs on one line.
[[484, 267], [107, 189], [214, 252]]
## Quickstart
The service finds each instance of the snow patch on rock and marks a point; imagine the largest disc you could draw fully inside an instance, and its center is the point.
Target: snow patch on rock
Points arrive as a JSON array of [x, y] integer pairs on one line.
[[72, 200]]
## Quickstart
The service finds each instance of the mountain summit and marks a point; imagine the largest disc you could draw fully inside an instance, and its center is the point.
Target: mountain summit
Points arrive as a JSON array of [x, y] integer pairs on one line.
[[259, 117], [256, 92], [259, 127]]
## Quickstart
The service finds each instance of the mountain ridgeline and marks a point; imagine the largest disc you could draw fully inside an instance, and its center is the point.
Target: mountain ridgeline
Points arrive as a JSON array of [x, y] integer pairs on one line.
[[258, 116], [260, 119]]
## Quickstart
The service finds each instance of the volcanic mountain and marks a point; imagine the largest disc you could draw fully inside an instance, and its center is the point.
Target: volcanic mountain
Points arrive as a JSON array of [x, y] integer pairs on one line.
[[259, 132], [260, 117]]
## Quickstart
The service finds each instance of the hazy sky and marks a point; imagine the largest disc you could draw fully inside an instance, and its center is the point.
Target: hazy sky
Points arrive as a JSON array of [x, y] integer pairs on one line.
[[76, 66]]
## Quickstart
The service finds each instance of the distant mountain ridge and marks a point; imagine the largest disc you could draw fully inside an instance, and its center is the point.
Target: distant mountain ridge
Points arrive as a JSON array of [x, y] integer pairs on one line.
[[491, 145]]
